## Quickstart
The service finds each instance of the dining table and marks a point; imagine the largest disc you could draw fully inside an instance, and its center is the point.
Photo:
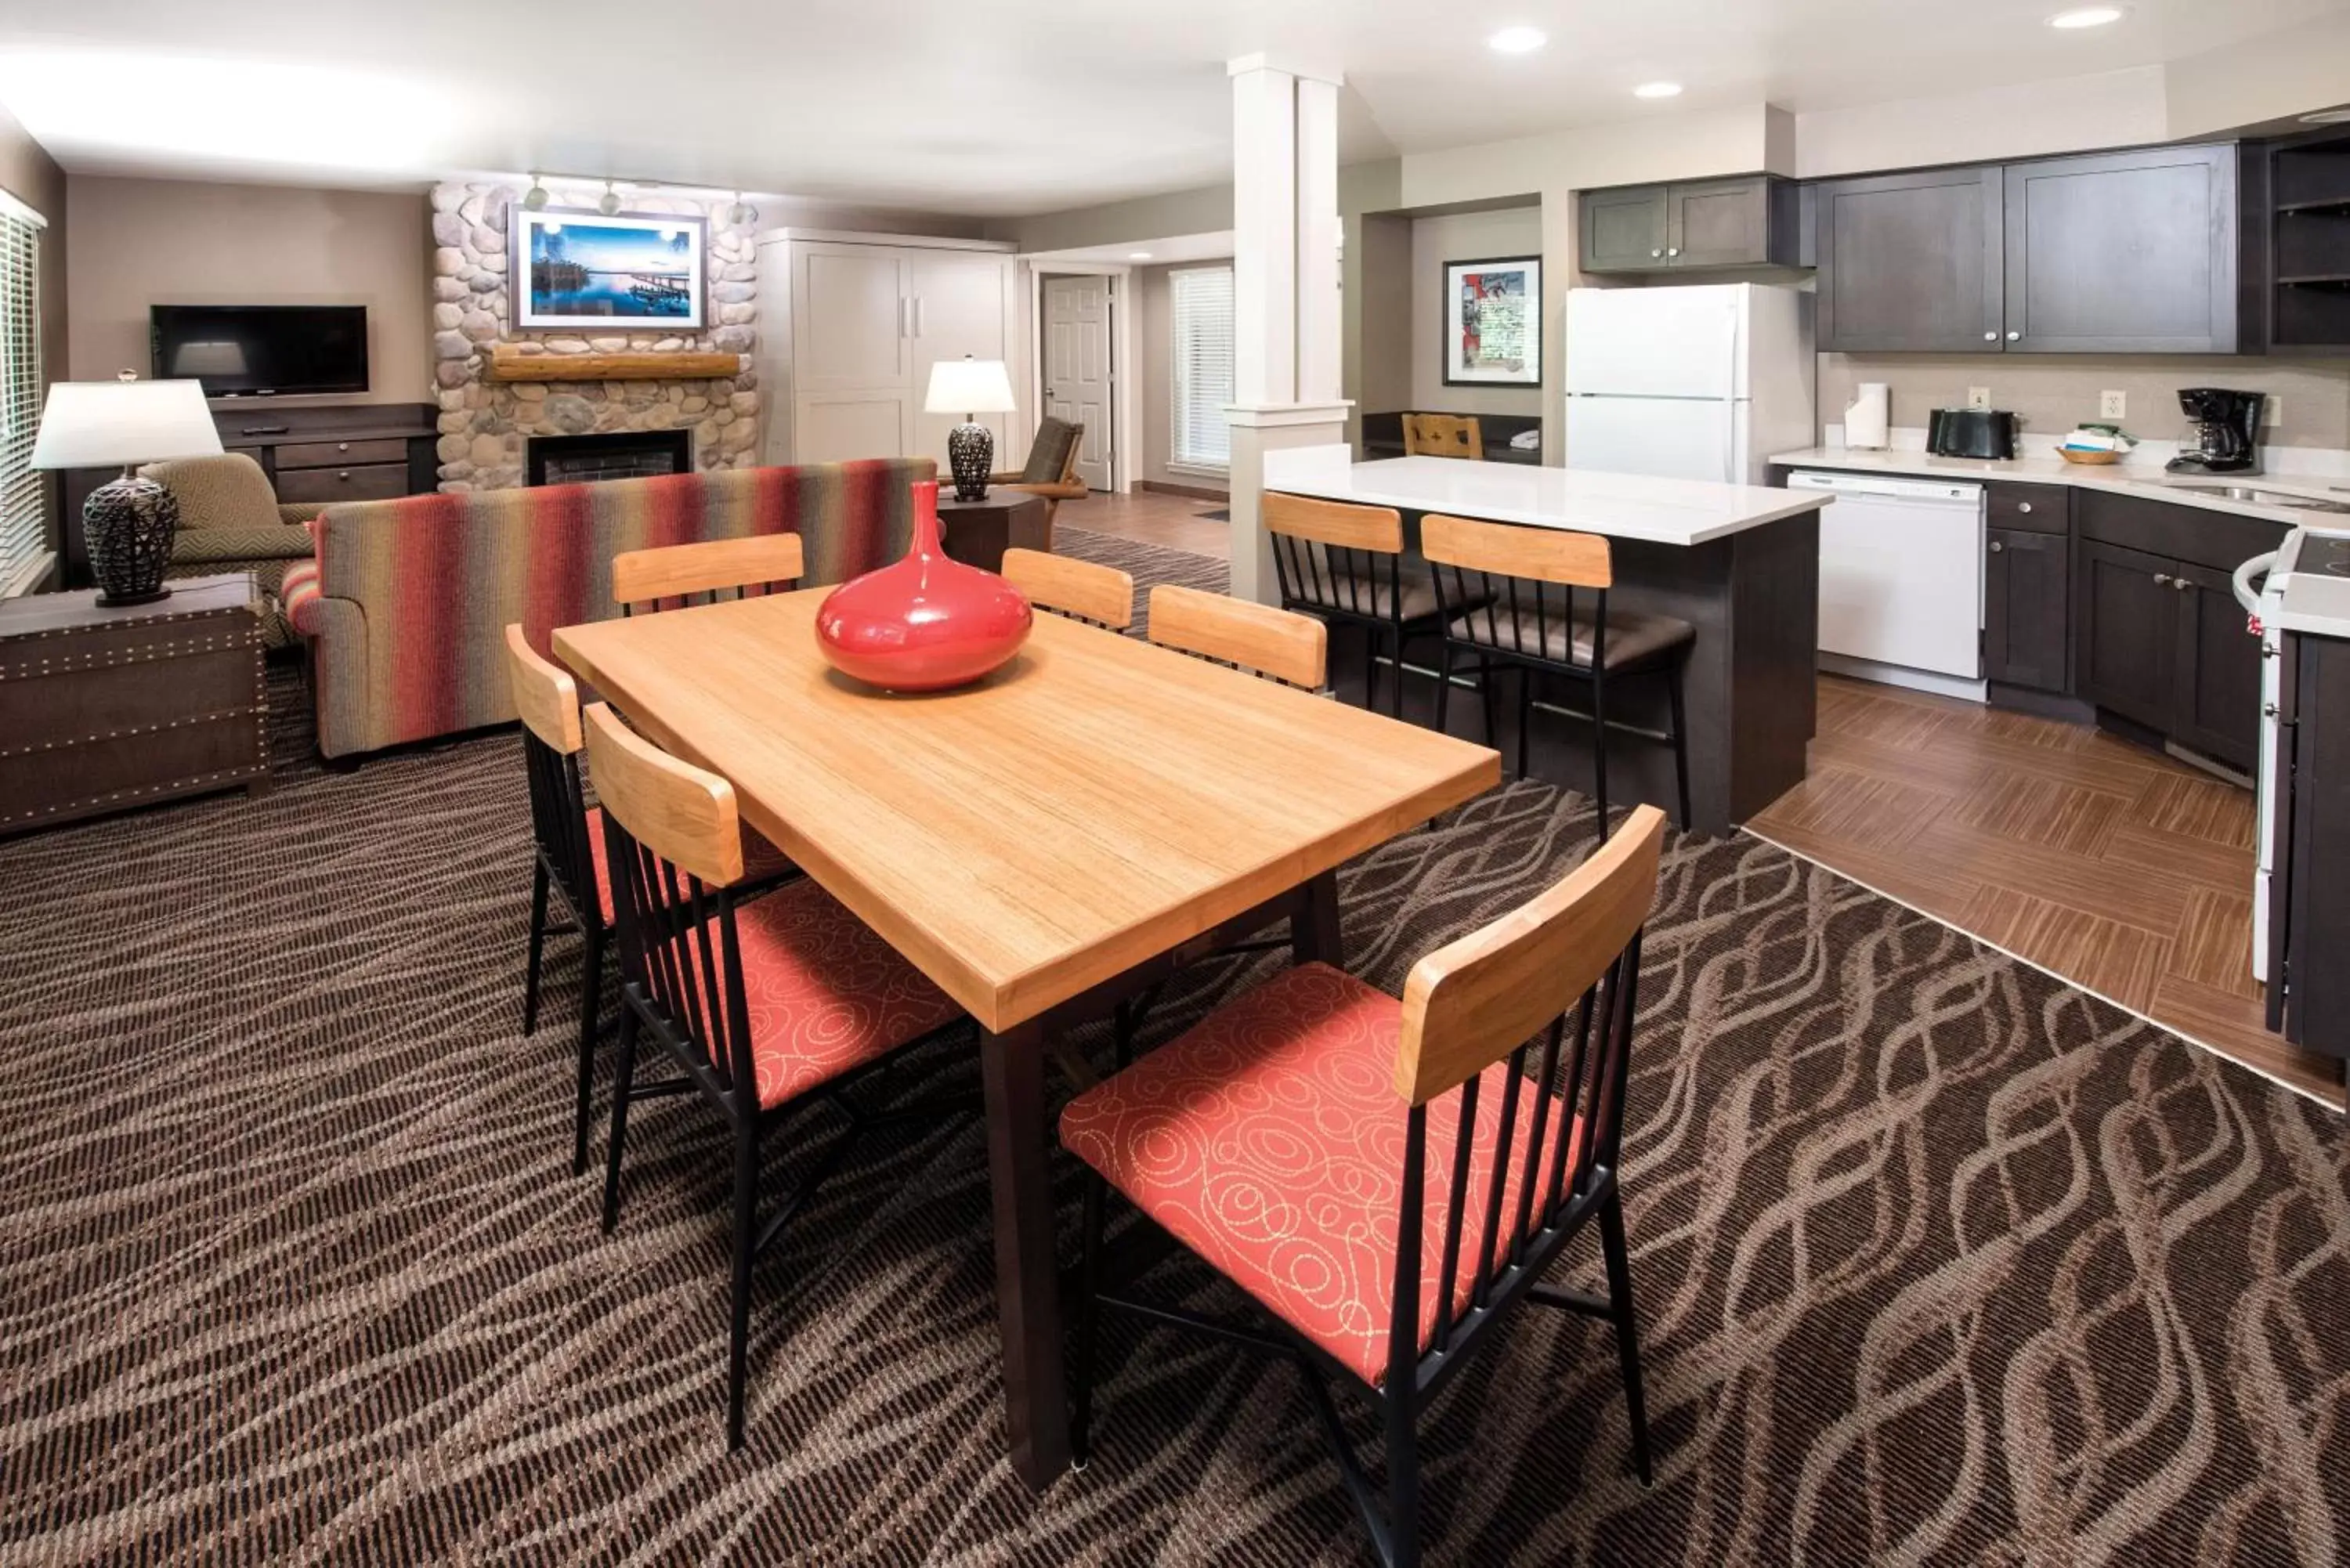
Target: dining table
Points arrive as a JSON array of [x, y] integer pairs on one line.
[[1043, 845]]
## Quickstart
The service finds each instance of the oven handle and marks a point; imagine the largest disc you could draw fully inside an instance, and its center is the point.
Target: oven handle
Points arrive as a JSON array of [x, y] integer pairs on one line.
[[2246, 594]]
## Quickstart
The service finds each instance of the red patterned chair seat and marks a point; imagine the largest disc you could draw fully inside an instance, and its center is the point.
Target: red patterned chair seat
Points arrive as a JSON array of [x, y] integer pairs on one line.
[[761, 861], [1269, 1138]]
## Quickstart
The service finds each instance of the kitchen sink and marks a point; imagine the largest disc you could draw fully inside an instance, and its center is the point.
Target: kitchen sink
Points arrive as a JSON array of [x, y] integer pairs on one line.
[[2257, 496]]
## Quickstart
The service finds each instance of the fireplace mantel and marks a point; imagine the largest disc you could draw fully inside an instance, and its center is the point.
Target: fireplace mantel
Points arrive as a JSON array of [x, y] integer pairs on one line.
[[513, 362]]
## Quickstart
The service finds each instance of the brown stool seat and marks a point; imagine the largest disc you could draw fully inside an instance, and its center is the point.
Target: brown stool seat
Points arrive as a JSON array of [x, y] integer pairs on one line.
[[1633, 636]]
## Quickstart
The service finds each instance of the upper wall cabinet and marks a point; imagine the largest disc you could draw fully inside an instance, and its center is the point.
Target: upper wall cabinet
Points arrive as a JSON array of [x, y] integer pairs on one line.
[[1910, 262], [2121, 253], [1749, 220]]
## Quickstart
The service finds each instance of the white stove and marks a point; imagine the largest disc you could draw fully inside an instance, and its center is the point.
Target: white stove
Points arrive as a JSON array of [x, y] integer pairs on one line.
[[2307, 591]]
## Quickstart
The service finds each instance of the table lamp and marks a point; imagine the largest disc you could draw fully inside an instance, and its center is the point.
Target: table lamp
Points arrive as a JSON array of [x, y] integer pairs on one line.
[[969, 387], [128, 523]]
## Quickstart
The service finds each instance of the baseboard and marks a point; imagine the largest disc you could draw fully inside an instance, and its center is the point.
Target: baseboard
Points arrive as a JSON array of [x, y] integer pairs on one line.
[[2042, 704], [1189, 492], [1903, 676]]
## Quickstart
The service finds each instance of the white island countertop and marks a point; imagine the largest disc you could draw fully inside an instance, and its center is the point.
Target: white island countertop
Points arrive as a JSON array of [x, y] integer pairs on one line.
[[1617, 505]]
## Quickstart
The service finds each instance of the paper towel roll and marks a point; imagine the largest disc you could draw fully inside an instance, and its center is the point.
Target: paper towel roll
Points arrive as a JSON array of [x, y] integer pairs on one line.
[[1866, 423]]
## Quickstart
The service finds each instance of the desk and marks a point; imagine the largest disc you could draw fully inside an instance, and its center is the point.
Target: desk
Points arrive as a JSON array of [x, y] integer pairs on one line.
[[1039, 845]]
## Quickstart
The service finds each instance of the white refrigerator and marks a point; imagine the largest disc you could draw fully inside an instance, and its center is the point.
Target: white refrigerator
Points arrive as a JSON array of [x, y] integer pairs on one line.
[[1698, 382]]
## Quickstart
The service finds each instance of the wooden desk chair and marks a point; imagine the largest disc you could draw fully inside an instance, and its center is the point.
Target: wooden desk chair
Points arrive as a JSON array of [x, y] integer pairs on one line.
[[760, 1003], [567, 842], [1345, 563], [699, 574], [1081, 590], [1334, 1078], [1051, 471], [1276, 644], [1511, 602], [1443, 435]]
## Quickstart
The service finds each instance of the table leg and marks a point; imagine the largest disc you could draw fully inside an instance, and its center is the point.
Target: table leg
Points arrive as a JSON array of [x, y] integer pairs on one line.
[[1027, 1280], [1315, 924]]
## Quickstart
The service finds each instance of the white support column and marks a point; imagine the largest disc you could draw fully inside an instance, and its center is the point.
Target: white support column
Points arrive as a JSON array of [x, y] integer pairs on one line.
[[1286, 304]]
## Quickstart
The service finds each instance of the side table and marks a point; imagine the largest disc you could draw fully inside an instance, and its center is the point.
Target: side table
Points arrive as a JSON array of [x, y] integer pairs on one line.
[[979, 532], [101, 709]]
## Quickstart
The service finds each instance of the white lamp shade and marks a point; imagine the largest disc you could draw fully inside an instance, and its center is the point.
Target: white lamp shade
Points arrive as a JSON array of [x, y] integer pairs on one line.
[[969, 387], [113, 424]]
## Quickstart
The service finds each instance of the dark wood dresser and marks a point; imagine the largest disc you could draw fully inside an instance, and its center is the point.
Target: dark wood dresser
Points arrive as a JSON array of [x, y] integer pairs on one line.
[[105, 709]]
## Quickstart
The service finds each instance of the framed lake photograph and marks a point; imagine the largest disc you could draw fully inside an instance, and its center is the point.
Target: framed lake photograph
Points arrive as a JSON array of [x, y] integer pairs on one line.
[[582, 269], [1492, 322]]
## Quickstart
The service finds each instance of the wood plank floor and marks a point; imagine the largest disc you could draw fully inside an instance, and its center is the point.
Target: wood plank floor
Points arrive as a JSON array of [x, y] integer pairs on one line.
[[1173, 521], [2118, 869]]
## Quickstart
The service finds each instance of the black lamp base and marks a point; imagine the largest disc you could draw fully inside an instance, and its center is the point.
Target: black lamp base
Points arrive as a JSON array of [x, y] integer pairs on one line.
[[129, 524], [970, 455]]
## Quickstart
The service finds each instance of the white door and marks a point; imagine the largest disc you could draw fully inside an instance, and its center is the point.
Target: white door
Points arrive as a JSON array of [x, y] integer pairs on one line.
[[957, 310], [1655, 342], [839, 427], [1077, 367], [852, 318], [1666, 438]]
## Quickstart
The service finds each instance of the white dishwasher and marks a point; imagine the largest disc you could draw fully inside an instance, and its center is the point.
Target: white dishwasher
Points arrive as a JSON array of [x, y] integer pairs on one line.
[[1901, 579]]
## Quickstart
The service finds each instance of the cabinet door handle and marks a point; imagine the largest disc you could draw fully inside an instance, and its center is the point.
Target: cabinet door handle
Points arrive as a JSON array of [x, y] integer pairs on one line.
[[1656, 255], [1990, 337], [346, 474], [1674, 250], [2015, 337], [918, 315], [2180, 585], [342, 446], [2023, 506], [2163, 578], [1996, 546]]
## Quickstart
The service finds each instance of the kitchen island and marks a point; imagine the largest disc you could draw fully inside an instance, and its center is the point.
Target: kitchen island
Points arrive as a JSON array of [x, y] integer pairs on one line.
[[1740, 563]]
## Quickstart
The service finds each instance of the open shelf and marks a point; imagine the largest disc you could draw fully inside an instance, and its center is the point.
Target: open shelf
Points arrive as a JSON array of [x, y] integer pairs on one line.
[[2327, 206], [2318, 280]]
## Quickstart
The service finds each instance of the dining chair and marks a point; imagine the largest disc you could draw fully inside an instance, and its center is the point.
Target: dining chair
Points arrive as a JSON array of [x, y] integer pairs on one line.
[[1344, 562], [1443, 435], [1278, 645], [1081, 590], [700, 572], [763, 1003], [1512, 602], [1330, 1102], [567, 855]]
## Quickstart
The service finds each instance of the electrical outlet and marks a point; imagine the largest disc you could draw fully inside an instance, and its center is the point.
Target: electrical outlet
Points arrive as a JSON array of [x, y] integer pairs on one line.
[[2272, 411], [2113, 405], [1978, 396]]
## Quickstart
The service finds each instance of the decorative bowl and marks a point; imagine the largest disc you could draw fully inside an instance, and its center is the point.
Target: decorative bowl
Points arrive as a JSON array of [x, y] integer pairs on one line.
[[2093, 458], [927, 624]]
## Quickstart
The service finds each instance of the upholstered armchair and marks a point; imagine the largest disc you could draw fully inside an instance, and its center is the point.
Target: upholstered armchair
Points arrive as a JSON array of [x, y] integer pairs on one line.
[[1052, 468], [231, 520]]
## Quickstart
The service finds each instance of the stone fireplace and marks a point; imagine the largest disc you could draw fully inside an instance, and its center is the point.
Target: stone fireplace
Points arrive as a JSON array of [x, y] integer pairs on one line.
[[611, 454], [487, 427]]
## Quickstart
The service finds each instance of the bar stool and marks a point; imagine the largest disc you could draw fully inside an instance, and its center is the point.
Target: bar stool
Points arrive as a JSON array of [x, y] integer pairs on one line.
[[1344, 562]]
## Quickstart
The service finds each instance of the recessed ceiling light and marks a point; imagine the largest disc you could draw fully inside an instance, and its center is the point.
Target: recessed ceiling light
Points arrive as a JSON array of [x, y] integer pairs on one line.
[[1518, 40], [1657, 89], [2087, 16], [1137, 256], [2327, 117]]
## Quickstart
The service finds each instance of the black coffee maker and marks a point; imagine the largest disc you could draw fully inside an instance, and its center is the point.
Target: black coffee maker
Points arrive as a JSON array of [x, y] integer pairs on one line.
[[2227, 432]]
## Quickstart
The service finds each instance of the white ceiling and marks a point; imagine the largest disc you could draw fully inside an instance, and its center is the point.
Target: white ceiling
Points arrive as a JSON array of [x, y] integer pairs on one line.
[[1216, 246], [997, 108]]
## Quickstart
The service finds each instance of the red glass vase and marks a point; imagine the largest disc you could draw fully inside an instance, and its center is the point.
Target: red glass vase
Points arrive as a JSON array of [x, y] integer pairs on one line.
[[926, 624]]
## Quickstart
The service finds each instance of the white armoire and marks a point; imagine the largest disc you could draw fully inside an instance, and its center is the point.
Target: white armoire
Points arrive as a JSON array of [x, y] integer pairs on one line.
[[849, 327]]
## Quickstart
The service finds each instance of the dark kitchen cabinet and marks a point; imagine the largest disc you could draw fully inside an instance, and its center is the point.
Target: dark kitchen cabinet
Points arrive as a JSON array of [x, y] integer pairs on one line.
[[1911, 262], [2124, 253], [2125, 617], [1623, 230], [2027, 608], [2309, 898], [1744, 221], [2216, 692]]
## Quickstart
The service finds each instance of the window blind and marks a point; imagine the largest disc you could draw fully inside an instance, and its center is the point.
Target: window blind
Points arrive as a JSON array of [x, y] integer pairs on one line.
[[1203, 299], [22, 525]]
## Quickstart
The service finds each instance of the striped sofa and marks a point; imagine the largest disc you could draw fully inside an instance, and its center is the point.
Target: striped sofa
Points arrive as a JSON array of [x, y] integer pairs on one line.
[[404, 603]]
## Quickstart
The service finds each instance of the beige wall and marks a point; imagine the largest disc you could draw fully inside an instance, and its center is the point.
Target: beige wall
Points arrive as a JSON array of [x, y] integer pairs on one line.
[[2114, 108], [1467, 236], [1379, 282], [28, 173], [137, 243], [2055, 392], [1205, 210]]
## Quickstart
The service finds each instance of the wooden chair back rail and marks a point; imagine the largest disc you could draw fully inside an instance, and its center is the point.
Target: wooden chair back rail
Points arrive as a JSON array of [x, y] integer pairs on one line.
[[1334, 577], [544, 695], [1289, 648], [1443, 435], [1506, 549], [1101, 595], [1375, 528], [684, 816], [769, 561]]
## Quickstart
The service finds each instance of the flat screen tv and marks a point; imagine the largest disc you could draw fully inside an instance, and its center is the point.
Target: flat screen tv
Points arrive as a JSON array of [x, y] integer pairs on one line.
[[262, 351]]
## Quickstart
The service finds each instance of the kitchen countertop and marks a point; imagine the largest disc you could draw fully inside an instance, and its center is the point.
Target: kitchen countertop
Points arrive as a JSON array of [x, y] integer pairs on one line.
[[2131, 476], [1683, 511]]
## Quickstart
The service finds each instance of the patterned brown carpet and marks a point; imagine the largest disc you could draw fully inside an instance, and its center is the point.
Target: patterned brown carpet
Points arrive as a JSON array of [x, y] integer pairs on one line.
[[1939, 1262]]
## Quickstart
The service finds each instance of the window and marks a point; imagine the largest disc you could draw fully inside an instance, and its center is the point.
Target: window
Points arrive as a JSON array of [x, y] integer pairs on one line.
[[1203, 366], [24, 527]]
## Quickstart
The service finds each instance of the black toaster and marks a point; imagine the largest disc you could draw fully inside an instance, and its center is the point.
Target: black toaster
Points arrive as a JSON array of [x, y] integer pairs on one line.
[[1971, 432]]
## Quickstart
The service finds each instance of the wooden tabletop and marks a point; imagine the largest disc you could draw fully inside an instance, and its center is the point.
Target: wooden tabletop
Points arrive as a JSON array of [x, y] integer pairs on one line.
[[1092, 805]]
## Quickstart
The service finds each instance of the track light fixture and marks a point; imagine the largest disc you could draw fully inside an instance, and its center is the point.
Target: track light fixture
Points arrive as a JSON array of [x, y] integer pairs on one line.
[[609, 202], [535, 199], [742, 214]]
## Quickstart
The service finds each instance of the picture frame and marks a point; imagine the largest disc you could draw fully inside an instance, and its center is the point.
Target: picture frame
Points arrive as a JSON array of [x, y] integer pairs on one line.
[[1492, 322], [574, 269]]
